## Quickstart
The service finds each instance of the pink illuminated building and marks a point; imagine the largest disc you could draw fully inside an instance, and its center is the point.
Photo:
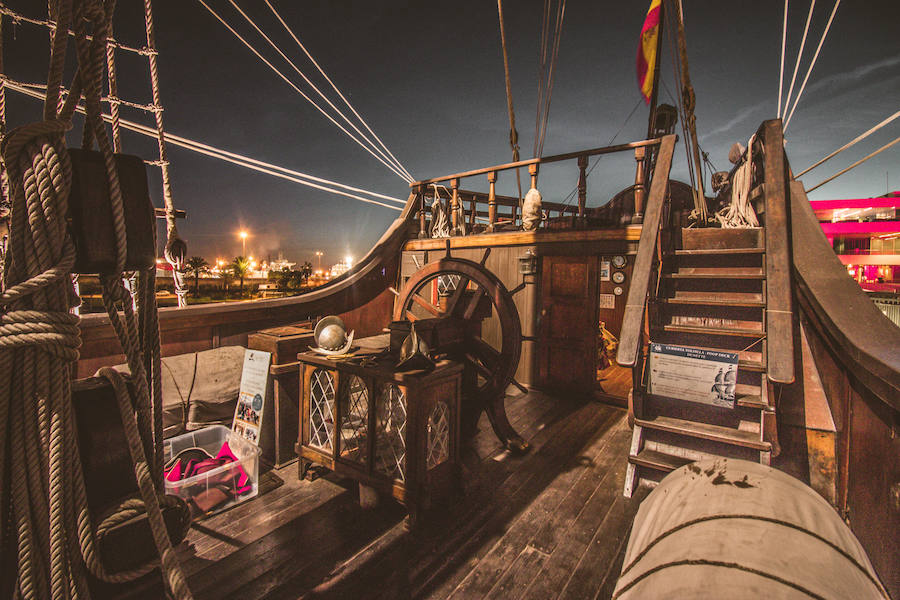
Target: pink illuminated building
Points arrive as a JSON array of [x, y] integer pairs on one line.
[[865, 234]]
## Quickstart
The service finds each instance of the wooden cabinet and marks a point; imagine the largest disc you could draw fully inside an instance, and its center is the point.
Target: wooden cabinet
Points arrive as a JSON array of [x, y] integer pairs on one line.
[[396, 432]]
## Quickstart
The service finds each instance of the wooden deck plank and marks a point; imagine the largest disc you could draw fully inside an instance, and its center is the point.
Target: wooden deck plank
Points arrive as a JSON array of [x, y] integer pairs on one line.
[[515, 539]]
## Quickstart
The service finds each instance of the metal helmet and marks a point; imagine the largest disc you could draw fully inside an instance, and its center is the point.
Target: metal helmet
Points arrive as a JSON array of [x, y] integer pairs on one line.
[[331, 336]]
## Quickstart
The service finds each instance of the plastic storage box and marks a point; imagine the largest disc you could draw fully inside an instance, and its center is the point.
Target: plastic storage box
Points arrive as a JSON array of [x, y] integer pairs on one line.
[[223, 486]]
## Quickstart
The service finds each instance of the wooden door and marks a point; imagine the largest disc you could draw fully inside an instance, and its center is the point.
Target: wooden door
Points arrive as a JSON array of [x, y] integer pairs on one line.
[[567, 323]]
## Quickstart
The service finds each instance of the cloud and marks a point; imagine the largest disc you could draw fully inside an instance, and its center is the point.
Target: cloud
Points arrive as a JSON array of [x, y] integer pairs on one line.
[[849, 77]]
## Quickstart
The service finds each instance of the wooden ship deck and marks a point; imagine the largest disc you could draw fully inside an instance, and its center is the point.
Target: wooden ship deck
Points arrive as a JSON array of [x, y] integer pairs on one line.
[[549, 524]]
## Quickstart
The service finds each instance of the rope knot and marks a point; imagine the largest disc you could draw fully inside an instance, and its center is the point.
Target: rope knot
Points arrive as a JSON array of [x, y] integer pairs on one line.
[[176, 251]]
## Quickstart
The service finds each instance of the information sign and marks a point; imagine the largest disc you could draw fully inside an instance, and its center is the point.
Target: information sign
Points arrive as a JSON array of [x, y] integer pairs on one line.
[[248, 413], [693, 374]]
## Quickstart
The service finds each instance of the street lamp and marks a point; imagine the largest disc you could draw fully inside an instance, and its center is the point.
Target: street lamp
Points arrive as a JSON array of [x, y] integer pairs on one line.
[[319, 258], [243, 236]]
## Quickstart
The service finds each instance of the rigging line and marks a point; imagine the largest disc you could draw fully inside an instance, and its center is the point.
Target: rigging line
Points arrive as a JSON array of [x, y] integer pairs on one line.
[[679, 100], [597, 158], [848, 144], [328, 79], [311, 84], [513, 133], [299, 91], [560, 14], [854, 165], [783, 46], [787, 101], [812, 64], [232, 157], [545, 34]]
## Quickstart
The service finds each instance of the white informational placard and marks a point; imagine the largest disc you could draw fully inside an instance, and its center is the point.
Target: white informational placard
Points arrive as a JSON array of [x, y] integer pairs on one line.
[[604, 270], [248, 414], [693, 374], [607, 301]]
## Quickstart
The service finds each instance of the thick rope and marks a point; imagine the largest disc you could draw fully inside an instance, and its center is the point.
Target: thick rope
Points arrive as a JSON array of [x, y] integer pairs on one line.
[[513, 133], [39, 340], [739, 213]]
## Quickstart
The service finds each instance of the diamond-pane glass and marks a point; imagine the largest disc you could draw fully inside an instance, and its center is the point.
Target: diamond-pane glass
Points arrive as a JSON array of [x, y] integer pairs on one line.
[[390, 443], [321, 409], [446, 284], [438, 447], [354, 419]]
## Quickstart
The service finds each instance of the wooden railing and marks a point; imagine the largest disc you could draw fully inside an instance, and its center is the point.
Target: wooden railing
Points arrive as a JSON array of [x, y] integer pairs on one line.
[[779, 330], [447, 188], [631, 338], [857, 354]]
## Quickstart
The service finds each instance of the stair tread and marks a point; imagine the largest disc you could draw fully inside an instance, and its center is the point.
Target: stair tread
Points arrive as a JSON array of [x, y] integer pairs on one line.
[[716, 433], [718, 273], [715, 330], [714, 251], [660, 461], [715, 300]]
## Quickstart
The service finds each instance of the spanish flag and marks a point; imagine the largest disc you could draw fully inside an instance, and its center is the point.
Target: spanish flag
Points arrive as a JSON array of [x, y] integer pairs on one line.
[[646, 55]]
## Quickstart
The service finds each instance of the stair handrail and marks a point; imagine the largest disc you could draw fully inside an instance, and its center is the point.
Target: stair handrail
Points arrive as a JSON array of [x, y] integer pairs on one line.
[[779, 314], [631, 336]]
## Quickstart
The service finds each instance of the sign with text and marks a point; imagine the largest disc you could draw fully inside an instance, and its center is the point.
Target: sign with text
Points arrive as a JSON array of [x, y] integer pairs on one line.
[[693, 374], [248, 413]]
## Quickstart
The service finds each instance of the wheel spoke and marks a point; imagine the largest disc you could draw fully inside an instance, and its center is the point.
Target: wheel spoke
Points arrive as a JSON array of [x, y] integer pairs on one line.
[[411, 316], [473, 303], [461, 286], [485, 352], [434, 310]]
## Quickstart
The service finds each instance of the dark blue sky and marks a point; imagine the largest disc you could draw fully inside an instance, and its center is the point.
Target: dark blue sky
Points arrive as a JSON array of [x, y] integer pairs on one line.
[[428, 77]]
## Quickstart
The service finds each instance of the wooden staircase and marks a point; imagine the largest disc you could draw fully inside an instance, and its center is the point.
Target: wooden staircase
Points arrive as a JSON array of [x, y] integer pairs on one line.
[[712, 295]]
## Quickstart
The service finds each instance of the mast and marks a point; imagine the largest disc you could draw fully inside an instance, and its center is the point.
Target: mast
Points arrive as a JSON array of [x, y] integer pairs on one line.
[[654, 92], [689, 100]]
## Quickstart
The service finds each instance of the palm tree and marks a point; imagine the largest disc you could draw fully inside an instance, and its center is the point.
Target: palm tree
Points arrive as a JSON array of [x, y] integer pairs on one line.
[[240, 266], [197, 265]]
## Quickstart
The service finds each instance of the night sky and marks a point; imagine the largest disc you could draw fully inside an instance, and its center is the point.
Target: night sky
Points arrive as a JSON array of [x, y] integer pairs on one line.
[[428, 77]]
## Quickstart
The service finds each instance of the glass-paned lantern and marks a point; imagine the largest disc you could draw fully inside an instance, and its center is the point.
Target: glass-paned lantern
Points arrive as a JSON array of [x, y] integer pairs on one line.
[[390, 440], [396, 432], [437, 446], [354, 419], [321, 409]]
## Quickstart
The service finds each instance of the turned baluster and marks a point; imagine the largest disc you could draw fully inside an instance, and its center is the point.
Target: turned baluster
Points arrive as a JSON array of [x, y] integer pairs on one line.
[[454, 207], [582, 184], [640, 188], [473, 208], [492, 200], [423, 233]]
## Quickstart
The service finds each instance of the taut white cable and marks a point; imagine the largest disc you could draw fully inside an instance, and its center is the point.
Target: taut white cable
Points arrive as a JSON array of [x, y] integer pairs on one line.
[[299, 91], [783, 45], [315, 88], [812, 64], [787, 101], [854, 165], [847, 145], [328, 79]]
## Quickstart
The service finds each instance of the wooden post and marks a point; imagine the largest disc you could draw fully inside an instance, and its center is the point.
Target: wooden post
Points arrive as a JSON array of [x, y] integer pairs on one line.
[[473, 207], [640, 188], [492, 200], [582, 184], [533, 170], [422, 232], [454, 206]]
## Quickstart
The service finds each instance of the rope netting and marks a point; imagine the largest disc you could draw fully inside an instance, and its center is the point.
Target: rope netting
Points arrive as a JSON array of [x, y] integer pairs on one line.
[[47, 524]]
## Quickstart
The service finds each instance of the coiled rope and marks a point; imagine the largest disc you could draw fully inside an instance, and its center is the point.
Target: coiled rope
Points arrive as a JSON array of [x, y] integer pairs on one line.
[[47, 526]]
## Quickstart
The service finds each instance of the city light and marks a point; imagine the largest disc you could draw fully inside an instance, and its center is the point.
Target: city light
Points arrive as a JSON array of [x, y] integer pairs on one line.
[[243, 235], [349, 260]]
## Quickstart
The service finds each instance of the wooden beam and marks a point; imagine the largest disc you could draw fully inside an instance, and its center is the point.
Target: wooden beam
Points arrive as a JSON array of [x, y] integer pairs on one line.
[[779, 318], [630, 337], [527, 238], [538, 161], [161, 213]]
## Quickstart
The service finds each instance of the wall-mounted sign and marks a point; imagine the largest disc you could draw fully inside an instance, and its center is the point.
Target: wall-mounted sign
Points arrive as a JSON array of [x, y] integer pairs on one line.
[[618, 277], [693, 374], [604, 270], [248, 413], [607, 301]]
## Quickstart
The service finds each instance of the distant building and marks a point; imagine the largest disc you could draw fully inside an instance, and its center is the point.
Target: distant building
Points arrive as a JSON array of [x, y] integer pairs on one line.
[[339, 269], [865, 234], [280, 264]]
